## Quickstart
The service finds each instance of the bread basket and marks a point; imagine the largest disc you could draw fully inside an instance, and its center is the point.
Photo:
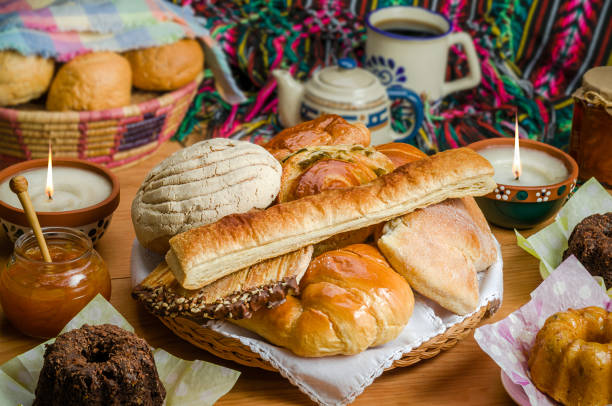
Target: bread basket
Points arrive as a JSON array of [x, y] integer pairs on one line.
[[114, 137], [233, 350]]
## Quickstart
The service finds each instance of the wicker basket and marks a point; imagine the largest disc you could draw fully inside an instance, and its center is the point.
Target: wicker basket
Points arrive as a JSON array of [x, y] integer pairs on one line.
[[233, 350], [114, 137]]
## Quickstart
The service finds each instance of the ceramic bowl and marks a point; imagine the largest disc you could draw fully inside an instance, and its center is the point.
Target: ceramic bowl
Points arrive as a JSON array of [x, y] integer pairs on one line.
[[93, 220], [516, 206]]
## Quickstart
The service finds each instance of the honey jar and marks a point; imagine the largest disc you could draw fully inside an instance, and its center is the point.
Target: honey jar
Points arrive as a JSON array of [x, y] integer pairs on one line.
[[39, 297], [591, 138]]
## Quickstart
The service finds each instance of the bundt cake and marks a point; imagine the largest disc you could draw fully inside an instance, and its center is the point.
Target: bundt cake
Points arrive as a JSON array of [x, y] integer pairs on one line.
[[99, 365], [571, 360], [591, 243]]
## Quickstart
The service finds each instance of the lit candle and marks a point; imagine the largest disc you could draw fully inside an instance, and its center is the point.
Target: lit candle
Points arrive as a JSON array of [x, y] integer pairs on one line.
[[524, 166], [61, 188]]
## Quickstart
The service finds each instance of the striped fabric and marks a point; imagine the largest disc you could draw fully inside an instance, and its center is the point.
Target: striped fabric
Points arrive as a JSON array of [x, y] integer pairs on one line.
[[533, 54]]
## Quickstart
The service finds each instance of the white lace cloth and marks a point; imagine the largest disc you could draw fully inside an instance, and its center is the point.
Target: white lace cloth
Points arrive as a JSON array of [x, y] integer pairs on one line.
[[339, 380]]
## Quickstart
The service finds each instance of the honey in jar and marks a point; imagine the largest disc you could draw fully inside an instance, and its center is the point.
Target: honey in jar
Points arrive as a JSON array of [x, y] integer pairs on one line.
[[591, 138], [39, 298]]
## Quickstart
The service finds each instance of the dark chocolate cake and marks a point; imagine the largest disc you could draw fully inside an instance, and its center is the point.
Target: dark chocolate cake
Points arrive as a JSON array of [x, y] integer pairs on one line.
[[591, 243], [99, 365]]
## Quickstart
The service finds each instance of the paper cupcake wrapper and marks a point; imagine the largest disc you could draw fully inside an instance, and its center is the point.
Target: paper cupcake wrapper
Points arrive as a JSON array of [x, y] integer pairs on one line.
[[549, 243], [509, 341], [187, 383]]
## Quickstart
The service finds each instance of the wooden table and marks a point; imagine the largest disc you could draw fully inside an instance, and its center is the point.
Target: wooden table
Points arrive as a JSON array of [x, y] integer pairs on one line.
[[464, 375]]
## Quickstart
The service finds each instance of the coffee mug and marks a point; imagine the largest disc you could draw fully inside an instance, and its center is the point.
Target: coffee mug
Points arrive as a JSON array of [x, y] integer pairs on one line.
[[408, 46]]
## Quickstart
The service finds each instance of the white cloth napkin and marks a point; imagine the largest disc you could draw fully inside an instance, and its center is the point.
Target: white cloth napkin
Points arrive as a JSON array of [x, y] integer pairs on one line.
[[339, 380]]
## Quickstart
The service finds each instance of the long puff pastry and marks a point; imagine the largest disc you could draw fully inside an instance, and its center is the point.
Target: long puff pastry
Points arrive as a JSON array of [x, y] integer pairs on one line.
[[204, 254]]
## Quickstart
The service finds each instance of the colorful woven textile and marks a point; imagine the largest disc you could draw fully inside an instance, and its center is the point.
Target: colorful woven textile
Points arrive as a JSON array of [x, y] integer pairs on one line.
[[533, 54], [62, 29]]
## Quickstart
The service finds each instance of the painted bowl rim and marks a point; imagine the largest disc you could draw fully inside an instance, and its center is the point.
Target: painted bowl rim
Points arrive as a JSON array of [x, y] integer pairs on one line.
[[70, 218], [567, 160]]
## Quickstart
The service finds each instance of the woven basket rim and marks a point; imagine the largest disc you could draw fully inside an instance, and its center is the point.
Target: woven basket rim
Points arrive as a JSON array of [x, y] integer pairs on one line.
[[233, 350], [44, 116]]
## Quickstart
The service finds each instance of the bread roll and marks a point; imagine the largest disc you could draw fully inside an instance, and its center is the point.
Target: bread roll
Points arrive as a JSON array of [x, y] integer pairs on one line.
[[23, 78], [166, 67], [234, 296], [326, 130], [204, 254], [94, 81], [400, 153], [200, 184], [439, 250], [350, 300]]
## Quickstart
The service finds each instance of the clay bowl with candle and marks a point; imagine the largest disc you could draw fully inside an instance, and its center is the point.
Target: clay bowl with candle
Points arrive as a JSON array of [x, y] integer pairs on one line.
[[84, 197], [548, 177]]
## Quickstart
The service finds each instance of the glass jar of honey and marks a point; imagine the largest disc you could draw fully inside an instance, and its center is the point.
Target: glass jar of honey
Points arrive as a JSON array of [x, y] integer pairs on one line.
[[591, 138], [39, 297]]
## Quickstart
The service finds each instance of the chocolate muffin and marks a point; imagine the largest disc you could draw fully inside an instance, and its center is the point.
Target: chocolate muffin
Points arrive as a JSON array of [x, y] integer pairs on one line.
[[99, 365], [591, 243]]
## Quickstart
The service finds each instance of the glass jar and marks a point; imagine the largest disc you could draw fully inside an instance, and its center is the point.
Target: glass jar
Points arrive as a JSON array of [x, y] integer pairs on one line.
[[39, 298], [591, 137]]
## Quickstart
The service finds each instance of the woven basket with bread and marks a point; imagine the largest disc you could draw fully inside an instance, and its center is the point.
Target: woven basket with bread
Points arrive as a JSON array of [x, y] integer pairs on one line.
[[317, 242], [105, 107]]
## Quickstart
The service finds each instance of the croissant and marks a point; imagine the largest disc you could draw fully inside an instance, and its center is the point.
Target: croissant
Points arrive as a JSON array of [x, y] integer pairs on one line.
[[350, 300], [326, 130]]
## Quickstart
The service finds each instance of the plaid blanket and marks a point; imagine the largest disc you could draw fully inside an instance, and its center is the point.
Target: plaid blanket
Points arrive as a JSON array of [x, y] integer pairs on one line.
[[533, 54], [62, 29]]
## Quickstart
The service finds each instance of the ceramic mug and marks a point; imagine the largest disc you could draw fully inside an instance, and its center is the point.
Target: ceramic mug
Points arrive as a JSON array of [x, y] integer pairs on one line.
[[408, 46]]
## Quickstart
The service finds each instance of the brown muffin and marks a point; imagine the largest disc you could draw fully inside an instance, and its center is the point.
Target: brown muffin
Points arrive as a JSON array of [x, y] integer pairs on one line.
[[99, 365], [591, 243]]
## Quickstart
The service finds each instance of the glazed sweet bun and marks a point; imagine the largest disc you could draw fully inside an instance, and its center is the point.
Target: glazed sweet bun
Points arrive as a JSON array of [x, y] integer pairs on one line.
[[350, 300], [166, 67], [315, 169], [199, 185], [23, 78], [94, 81]]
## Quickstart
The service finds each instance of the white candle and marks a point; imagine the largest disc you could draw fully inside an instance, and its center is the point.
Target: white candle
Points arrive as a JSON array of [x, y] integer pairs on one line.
[[74, 188], [539, 168]]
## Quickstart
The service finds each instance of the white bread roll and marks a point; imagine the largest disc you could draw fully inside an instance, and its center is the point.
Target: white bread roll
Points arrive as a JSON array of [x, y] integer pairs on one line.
[[94, 81], [166, 67], [199, 185], [23, 78]]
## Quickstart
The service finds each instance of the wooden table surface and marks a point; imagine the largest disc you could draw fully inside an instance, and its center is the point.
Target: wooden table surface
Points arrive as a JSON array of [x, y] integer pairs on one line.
[[464, 375]]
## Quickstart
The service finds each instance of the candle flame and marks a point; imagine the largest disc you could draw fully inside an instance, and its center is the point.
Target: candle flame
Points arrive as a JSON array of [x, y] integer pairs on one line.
[[516, 162], [49, 188]]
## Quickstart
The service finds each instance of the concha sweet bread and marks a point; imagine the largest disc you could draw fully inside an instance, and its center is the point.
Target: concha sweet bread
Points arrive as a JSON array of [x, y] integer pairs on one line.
[[166, 67], [94, 81], [571, 360], [199, 185], [23, 78], [350, 300]]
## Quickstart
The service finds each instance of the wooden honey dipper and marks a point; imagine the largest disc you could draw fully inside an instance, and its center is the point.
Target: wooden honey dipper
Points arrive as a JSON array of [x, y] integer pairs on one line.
[[19, 186]]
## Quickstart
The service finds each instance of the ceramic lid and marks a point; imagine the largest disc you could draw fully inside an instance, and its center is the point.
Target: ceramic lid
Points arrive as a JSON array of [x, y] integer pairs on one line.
[[347, 84]]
